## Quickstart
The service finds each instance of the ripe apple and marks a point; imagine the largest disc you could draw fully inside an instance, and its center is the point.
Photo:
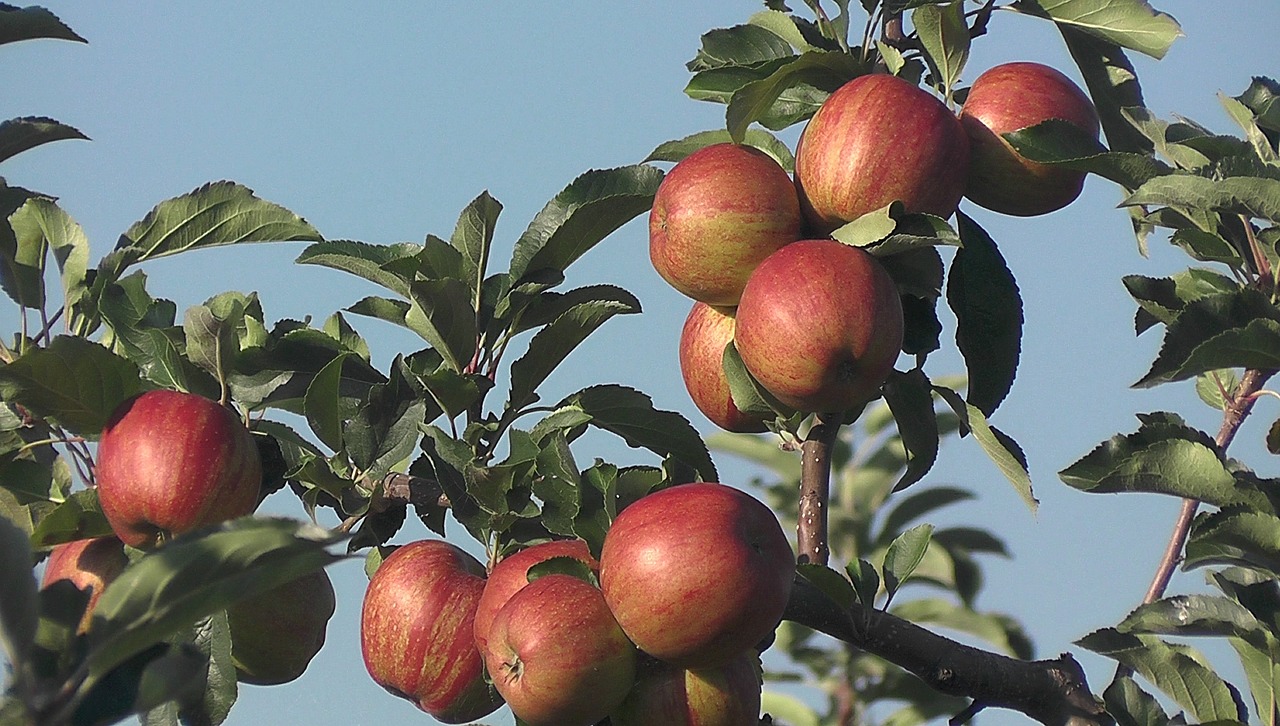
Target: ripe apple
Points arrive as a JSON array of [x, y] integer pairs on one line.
[[511, 574], [557, 655], [820, 325], [1009, 97], [87, 563], [170, 462], [696, 573], [876, 140], [716, 215], [275, 634], [707, 331], [416, 630], [725, 696]]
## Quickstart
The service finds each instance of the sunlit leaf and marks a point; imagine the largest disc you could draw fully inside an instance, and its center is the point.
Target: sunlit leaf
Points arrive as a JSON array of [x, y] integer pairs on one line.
[[1133, 24], [754, 101], [945, 36], [904, 555]]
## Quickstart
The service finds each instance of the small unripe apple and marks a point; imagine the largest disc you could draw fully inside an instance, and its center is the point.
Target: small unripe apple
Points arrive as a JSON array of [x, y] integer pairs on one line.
[[820, 325], [89, 564], [169, 462], [557, 655], [707, 332], [697, 573], [716, 215], [1009, 97], [275, 634], [416, 630], [725, 696], [511, 575], [875, 140]]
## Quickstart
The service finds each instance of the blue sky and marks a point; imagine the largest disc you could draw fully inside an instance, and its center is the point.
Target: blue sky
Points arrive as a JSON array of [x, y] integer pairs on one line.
[[381, 121]]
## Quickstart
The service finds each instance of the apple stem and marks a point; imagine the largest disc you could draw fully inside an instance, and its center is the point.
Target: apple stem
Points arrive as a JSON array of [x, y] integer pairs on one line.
[[815, 489]]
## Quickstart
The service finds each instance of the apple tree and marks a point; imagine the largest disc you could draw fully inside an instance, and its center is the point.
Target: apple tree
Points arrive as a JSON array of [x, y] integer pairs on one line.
[[855, 258]]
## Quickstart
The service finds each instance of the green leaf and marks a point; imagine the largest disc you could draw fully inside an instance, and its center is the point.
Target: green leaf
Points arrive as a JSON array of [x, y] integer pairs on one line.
[[21, 134], [1237, 537], [364, 260], [143, 684], [31, 23], [584, 213], [985, 298], [195, 576], [630, 414], [740, 45], [1244, 118], [748, 395], [324, 406], [212, 638], [1251, 196], [551, 345], [1162, 457], [1261, 97], [1132, 24], [1060, 143], [1003, 451], [384, 429], [829, 582], [678, 149], [1113, 86], [757, 100], [213, 331], [41, 224], [73, 381], [1163, 299], [1132, 706], [904, 555], [79, 517], [945, 37], [910, 398], [219, 213], [866, 582], [558, 485], [870, 227], [473, 237], [446, 319], [19, 608], [1238, 329], [1177, 670]]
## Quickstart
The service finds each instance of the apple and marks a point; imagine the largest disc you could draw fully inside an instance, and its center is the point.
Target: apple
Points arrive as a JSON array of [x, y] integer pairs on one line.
[[89, 564], [725, 696], [169, 462], [511, 574], [696, 573], [820, 325], [556, 653], [275, 634], [1009, 97], [875, 140], [716, 215], [416, 630], [707, 331]]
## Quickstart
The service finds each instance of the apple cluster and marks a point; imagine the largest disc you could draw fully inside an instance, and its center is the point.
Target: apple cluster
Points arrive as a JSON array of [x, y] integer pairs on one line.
[[171, 462], [818, 324], [663, 628]]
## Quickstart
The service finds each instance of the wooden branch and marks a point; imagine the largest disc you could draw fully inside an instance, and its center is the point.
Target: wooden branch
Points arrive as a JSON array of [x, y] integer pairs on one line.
[[815, 490]]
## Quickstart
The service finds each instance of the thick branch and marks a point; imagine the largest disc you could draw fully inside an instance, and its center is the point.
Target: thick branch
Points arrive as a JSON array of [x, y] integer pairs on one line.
[[1053, 692]]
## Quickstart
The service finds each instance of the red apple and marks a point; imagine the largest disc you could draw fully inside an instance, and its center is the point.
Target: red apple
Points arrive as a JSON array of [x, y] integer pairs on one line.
[[820, 325], [557, 655], [717, 214], [170, 462], [1009, 97], [707, 331], [724, 696], [511, 574], [876, 140], [87, 563], [696, 573], [416, 630], [275, 634]]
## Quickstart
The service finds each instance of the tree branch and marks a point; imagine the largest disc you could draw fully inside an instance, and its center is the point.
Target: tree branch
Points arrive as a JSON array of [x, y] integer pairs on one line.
[[815, 490]]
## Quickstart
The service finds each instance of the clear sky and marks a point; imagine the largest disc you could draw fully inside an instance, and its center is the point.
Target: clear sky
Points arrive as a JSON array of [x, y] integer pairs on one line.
[[381, 121]]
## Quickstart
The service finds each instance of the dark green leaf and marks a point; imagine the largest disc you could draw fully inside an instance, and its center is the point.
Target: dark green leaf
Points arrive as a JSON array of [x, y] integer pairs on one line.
[[904, 555], [910, 398], [324, 406], [1132, 706], [831, 583], [545, 307], [33, 22], [1113, 85], [563, 565], [212, 331], [154, 676], [1252, 196], [558, 485], [1261, 97], [1237, 537], [866, 582], [1061, 143], [195, 576], [79, 517], [741, 45], [584, 213], [945, 36], [74, 381], [1176, 670], [19, 612], [362, 259], [984, 296], [386, 426], [473, 237], [678, 149], [20, 134], [212, 638], [1163, 299], [1195, 615], [748, 395], [41, 223], [1003, 451], [755, 101], [1133, 24], [630, 414], [1239, 329], [445, 318], [451, 391]]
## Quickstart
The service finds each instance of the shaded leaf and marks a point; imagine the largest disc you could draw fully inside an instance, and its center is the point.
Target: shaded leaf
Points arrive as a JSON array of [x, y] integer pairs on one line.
[[73, 381], [829, 582], [740, 45], [444, 317], [31, 23], [677, 149], [910, 398], [1239, 537], [20, 134], [19, 608], [1003, 451], [79, 517], [755, 100], [1113, 85], [41, 223], [1132, 706], [1238, 329], [1061, 143], [1252, 196], [473, 237]]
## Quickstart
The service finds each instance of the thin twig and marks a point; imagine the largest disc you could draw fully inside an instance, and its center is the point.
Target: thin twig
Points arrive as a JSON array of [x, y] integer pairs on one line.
[[815, 490]]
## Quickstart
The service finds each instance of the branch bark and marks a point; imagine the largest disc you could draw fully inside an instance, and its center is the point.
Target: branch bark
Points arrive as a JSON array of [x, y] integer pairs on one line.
[[815, 490]]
